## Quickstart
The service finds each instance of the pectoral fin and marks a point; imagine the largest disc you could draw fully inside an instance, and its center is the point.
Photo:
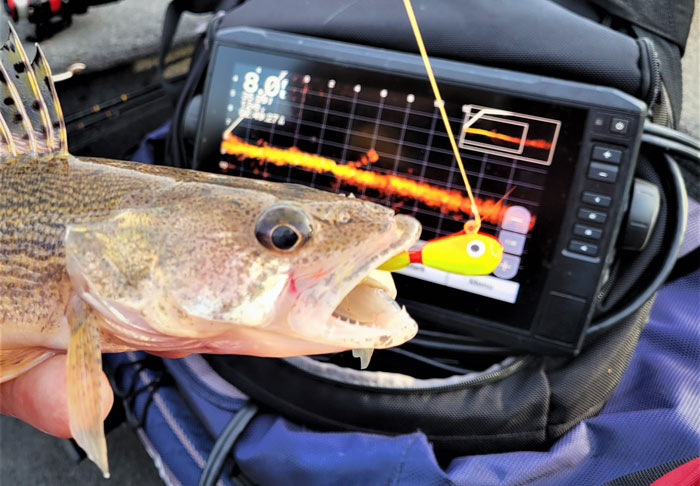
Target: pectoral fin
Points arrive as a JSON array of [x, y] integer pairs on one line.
[[14, 362], [83, 374]]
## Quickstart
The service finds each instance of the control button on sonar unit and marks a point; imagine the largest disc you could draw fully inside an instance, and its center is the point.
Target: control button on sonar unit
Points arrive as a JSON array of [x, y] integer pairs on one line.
[[562, 317], [606, 154], [508, 267], [596, 199], [517, 219], [583, 248], [513, 243], [593, 216], [619, 125], [602, 172], [588, 231]]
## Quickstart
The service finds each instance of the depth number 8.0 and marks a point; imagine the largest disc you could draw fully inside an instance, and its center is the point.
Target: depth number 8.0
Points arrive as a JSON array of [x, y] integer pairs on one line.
[[273, 86]]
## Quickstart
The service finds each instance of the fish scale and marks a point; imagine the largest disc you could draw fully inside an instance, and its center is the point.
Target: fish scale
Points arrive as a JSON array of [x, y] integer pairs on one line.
[[40, 197]]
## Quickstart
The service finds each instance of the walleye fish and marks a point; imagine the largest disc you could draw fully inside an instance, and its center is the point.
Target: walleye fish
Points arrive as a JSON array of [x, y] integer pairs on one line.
[[106, 256]]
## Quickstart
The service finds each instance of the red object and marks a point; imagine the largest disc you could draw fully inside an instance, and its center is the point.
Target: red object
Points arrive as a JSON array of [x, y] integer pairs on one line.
[[11, 8], [686, 475], [55, 5], [415, 256]]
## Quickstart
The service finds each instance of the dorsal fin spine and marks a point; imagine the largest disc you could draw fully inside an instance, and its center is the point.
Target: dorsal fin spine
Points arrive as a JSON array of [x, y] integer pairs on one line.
[[7, 135], [20, 107], [35, 92], [62, 133]]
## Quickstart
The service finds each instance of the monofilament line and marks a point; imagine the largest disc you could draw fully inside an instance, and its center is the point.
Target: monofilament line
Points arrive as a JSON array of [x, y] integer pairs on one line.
[[470, 226]]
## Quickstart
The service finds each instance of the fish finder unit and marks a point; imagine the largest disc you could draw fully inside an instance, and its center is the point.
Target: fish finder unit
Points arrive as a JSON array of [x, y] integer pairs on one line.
[[550, 162]]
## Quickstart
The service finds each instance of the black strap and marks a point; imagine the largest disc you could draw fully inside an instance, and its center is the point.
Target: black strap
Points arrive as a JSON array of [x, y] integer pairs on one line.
[[687, 264], [172, 18], [129, 395], [224, 445], [175, 143]]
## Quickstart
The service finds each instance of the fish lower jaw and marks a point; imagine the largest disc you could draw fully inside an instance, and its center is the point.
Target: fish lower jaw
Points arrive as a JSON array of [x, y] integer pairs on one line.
[[372, 336], [368, 317], [354, 334]]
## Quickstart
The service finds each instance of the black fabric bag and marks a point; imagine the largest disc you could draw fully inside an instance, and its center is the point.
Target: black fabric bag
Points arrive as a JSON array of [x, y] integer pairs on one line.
[[512, 402]]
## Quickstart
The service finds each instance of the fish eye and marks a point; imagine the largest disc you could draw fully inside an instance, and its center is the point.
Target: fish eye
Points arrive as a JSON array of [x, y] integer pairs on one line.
[[476, 248], [283, 228], [284, 237]]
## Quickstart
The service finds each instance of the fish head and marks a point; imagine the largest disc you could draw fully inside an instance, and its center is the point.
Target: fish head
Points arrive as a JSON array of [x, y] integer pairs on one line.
[[264, 269]]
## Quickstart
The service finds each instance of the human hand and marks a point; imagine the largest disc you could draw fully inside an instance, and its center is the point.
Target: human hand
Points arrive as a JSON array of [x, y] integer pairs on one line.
[[38, 397]]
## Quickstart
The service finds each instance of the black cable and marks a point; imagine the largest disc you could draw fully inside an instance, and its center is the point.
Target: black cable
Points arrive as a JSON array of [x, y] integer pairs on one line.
[[429, 361], [670, 134], [449, 336], [224, 444], [175, 142], [172, 19], [464, 348], [672, 146]]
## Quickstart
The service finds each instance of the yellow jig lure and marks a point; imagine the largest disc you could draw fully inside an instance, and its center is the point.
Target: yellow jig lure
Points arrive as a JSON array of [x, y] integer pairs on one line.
[[463, 253]]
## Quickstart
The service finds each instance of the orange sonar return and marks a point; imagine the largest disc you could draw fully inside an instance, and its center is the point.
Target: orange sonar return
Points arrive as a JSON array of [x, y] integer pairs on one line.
[[540, 144], [447, 201]]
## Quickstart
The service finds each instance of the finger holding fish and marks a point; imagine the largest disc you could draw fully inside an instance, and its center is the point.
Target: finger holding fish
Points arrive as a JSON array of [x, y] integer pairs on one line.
[[38, 397]]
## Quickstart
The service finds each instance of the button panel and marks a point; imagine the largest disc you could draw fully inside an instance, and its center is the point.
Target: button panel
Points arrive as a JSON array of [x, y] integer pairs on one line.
[[604, 168], [602, 172]]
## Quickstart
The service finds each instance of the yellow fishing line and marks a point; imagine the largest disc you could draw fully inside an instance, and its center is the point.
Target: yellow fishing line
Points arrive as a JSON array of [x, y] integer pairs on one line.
[[469, 226]]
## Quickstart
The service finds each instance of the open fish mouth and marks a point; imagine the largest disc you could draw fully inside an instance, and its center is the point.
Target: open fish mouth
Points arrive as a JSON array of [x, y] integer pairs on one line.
[[361, 310], [369, 317]]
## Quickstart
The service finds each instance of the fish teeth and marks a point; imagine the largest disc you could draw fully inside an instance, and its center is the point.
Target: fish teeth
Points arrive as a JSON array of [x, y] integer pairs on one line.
[[382, 280], [365, 354]]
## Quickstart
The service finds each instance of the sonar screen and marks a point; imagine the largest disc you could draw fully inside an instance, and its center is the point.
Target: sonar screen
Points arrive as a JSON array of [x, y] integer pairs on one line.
[[340, 123], [344, 130]]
